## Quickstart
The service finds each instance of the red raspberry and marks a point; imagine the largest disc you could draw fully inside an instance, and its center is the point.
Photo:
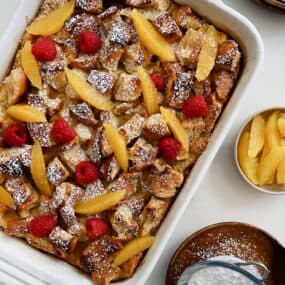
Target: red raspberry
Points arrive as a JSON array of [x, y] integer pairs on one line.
[[44, 49], [96, 227], [89, 42], [158, 81], [86, 172], [168, 148], [62, 132], [16, 135], [42, 226], [195, 106]]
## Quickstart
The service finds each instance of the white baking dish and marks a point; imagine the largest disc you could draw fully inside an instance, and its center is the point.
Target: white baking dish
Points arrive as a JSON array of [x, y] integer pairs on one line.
[[42, 269]]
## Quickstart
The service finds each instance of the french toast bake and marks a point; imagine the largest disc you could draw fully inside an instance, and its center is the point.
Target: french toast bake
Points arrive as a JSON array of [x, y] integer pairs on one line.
[[105, 110]]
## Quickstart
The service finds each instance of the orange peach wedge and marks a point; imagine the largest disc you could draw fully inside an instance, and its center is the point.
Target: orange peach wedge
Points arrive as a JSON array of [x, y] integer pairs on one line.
[[53, 22], [208, 54], [86, 92], [151, 38], [5, 198], [118, 145], [132, 248], [26, 113], [38, 170], [30, 65], [149, 91], [100, 203], [175, 126]]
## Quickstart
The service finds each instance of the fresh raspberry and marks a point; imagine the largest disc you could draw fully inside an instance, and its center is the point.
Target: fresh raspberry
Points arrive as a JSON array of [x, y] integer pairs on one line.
[[16, 135], [168, 148], [158, 81], [86, 172], [89, 42], [62, 132], [42, 226], [195, 106], [96, 227], [44, 49]]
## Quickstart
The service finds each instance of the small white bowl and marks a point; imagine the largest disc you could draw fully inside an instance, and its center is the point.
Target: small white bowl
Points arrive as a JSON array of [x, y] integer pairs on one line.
[[273, 189]]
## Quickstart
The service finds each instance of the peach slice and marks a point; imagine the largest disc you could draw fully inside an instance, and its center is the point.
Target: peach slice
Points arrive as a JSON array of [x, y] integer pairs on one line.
[[271, 130], [175, 127], [86, 92], [53, 22], [118, 145], [38, 170], [149, 91], [6, 198], [100, 203], [30, 65], [280, 177], [208, 54], [268, 166], [249, 165], [257, 134], [132, 248], [151, 38], [26, 113], [281, 126]]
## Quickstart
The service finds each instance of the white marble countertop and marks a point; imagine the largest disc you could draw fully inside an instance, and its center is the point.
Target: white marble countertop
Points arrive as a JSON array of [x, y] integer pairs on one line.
[[224, 196]]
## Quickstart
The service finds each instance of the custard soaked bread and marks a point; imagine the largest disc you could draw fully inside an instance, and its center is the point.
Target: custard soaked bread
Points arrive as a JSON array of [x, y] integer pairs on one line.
[[103, 114]]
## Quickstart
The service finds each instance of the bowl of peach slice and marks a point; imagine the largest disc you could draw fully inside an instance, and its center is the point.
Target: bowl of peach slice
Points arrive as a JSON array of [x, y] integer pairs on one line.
[[260, 151]]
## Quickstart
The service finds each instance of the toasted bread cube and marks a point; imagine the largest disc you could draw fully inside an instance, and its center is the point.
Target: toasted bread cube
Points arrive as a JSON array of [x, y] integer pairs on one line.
[[165, 185], [110, 55], [41, 132], [184, 17], [181, 89], [123, 108], [10, 164], [37, 101], [123, 223], [107, 15], [168, 28], [134, 56], [127, 88], [214, 111], [83, 113], [155, 127], [194, 127], [120, 33], [189, 48], [90, 5], [224, 84], [85, 61], [152, 215], [94, 146], [96, 254], [102, 81], [68, 215], [72, 154], [14, 86], [228, 56], [62, 240], [110, 169], [109, 118], [83, 132], [198, 146], [24, 195], [141, 155], [132, 129], [94, 189], [204, 87], [56, 172]]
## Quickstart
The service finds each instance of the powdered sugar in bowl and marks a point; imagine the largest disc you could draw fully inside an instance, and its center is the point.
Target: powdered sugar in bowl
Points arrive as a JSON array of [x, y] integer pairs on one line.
[[224, 270]]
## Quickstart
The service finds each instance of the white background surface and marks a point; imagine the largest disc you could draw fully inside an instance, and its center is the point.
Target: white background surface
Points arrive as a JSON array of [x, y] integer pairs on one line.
[[223, 196]]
